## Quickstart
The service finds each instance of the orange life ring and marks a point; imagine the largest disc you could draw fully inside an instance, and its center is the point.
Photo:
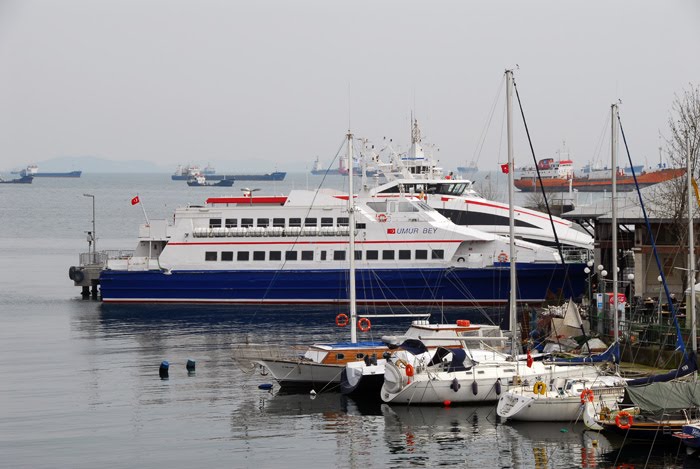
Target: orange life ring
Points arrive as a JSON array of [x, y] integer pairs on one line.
[[628, 416], [382, 218], [342, 320], [503, 257], [463, 322], [409, 370], [364, 325], [587, 395]]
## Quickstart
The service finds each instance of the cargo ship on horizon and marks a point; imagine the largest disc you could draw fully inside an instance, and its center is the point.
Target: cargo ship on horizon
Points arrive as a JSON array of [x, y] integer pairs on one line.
[[559, 176]]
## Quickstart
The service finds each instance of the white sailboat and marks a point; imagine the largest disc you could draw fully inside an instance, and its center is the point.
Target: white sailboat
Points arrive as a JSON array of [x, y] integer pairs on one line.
[[416, 376], [566, 400]]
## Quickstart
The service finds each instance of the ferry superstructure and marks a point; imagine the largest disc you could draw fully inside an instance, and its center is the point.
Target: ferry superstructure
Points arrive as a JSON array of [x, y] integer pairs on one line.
[[415, 174], [294, 249]]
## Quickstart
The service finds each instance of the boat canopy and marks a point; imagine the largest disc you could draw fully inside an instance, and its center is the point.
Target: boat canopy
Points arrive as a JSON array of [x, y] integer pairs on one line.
[[672, 396]]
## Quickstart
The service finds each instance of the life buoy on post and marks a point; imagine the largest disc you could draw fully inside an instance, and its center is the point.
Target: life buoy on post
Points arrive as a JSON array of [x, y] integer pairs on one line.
[[629, 420], [587, 395], [503, 257], [342, 320], [364, 325], [539, 388], [382, 218]]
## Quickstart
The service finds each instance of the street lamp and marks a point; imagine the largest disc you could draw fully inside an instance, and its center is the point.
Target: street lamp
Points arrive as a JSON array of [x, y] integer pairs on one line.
[[92, 236]]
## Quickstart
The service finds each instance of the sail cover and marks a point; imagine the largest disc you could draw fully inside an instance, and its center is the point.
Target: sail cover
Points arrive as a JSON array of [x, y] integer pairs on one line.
[[672, 396], [688, 366]]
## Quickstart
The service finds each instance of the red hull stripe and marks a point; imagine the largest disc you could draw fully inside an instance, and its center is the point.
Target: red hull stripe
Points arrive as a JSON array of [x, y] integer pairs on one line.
[[247, 200], [402, 241], [517, 211]]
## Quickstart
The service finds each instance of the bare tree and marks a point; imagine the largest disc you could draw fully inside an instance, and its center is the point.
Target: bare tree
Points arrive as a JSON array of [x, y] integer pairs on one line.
[[670, 198]]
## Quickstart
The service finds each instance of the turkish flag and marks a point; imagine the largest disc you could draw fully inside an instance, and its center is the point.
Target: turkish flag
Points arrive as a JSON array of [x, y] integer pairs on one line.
[[530, 361], [135, 200], [504, 168], [391, 231]]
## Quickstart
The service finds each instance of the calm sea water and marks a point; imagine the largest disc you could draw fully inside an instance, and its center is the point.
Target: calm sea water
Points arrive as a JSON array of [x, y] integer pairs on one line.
[[80, 384]]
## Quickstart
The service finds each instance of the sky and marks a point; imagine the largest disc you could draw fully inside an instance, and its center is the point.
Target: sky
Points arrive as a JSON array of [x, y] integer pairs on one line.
[[270, 84]]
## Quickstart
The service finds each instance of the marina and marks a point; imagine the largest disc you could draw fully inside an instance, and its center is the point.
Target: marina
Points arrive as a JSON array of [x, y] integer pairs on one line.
[[411, 235]]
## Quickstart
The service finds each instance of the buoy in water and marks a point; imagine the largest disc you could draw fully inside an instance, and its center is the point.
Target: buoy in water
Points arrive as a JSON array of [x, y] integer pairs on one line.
[[446, 403], [564, 430], [190, 366], [312, 394], [266, 386], [163, 370]]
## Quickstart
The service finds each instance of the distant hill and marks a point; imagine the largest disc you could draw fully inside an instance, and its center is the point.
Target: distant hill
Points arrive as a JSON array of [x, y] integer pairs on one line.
[[92, 164]]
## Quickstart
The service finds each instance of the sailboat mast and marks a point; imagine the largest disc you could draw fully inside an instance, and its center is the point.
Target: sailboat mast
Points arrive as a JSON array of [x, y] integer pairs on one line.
[[613, 151], [511, 213], [691, 250], [351, 245]]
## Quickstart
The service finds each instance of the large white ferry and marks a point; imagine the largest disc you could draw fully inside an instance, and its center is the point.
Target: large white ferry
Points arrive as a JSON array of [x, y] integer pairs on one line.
[[294, 249]]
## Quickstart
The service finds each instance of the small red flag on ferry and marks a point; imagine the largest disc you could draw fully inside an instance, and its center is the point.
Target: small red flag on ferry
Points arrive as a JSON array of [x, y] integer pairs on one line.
[[529, 360], [504, 168], [391, 231], [135, 200]]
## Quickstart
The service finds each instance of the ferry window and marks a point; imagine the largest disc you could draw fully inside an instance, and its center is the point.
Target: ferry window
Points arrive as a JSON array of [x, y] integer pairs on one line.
[[310, 222], [246, 222], [438, 254], [358, 255], [343, 221], [372, 255], [227, 256], [338, 255], [407, 207], [278, 222], [263, 222], [360, 226], [323, 255], [388, 255], [378, 206], [243, 256], [290, 256], [258, 255], [404, 254], [295, 222], [210, 256], [307, 255], [275, 255], [231, 222], [326, 222], [421, 254], [215, 223]]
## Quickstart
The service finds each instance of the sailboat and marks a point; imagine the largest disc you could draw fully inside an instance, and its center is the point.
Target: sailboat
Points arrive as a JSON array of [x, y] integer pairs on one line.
[[658, 405], [570, 399], [415, 375]]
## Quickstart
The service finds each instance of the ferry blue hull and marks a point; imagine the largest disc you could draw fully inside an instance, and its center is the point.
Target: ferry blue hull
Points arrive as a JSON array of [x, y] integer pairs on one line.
[[536, 283]]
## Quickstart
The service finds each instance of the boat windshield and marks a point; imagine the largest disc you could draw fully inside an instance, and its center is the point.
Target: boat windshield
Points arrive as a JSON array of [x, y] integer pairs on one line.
[[446, 188]]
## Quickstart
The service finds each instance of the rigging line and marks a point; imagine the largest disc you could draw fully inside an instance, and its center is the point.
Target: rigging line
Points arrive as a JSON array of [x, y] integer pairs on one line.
[[539, 177], [671, 307], [599, 146], [484, 131], [296, 239]]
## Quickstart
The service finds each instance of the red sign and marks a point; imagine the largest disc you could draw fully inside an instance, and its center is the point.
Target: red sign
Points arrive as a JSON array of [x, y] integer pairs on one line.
[[391, 231], [621, 298]]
